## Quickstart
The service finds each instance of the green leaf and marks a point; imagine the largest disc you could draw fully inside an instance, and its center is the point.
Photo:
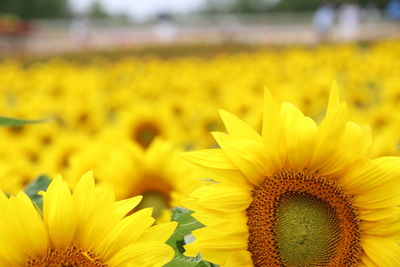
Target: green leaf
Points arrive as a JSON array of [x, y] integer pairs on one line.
[[186, 224], [32, 190], [183, 261], [5, 121]]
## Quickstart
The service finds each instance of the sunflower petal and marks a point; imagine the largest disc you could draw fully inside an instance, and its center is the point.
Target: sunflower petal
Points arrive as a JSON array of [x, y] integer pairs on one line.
[[299, 136], [237, 127], [248, 156], [146, 254], [223, 198], [271, 129], [59, 214], [240, 259], [382, 251]]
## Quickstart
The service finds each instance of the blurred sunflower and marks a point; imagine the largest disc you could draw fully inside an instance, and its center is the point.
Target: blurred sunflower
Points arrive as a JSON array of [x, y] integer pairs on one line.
[[386, 143], [56, 157], [299, 195], [9, 182], [85, 228], [156, 173], [144, 122]]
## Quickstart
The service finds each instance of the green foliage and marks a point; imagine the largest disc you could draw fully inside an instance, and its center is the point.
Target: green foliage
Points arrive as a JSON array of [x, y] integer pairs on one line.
[[263, 6], [295, 5], [186, 224], [97, 11], [31, 9], [32, 190], [4, 121]]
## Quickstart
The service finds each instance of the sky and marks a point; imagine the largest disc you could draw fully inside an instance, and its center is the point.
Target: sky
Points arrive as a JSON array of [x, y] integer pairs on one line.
[[140, 9]]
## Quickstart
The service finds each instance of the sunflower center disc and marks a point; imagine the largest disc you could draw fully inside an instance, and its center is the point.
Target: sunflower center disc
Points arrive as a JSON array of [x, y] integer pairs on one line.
[[156, 193], [145, 133], [298, 219], [155, 200], [305, 229], [71, 257]]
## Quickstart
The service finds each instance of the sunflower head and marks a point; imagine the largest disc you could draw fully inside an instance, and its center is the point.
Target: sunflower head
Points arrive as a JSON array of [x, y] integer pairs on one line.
[[84, 228], [301, 194], [156, 173], [142, 123]]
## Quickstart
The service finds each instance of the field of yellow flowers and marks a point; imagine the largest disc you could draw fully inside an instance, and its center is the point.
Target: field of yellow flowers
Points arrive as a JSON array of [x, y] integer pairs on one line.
[[128, 119]]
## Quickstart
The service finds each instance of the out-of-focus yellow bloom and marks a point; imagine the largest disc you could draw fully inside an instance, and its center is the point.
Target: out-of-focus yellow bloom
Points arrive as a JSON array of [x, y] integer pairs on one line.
[[144, 121], [156, 173], [141, 97]]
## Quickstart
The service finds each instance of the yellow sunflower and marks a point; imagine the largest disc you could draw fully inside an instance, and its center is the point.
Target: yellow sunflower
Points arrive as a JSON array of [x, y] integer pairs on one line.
[[301, 194], [141, 123], [157, 173], [83, 228]]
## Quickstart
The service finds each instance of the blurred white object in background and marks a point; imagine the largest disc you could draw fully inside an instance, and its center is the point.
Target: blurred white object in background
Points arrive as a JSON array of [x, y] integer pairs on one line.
[[165, 29], [349, 21], [323, 20], [80, 31]]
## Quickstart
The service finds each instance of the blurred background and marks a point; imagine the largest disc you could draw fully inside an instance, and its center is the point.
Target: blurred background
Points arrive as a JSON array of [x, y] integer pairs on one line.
[[128, 85], [49, 26]]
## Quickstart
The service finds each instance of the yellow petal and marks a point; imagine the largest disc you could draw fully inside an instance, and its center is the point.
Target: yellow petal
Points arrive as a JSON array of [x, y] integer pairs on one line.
[[388, 228], [216, 247], [366, 175], [240, 259], [334, 98], [366, 262], [299, 136], [160, 232], [146, 254], [382, 251], [327, 155], [379, 214], [97, 219], [210, 158], [214, 164], [357, 140], [235, 126], [84, 195], [22, 232], [271, 129], [385, 196], [122, 233], [248, 155], [58, 213], [218, 219], [123, 207], [223, 198]]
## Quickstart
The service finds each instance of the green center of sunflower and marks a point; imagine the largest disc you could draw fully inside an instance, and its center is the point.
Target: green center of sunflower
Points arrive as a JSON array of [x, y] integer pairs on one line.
[[298, 218], [305, 230], [145, 133], [156, 192], [71, 257], [156, 200]]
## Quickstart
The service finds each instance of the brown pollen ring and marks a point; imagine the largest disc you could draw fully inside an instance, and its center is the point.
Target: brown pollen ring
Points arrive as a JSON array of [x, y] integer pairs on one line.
[[262, 218], [72, 256]]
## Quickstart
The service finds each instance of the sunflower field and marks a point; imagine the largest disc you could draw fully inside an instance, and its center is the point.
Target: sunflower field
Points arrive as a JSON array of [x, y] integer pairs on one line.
[[271, 157]]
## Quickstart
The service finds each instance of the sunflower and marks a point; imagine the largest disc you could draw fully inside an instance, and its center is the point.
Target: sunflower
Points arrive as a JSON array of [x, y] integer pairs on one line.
[[56, 157], [83, 228], [143, 122], [301, 194], [157, 173], [386, 142]]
